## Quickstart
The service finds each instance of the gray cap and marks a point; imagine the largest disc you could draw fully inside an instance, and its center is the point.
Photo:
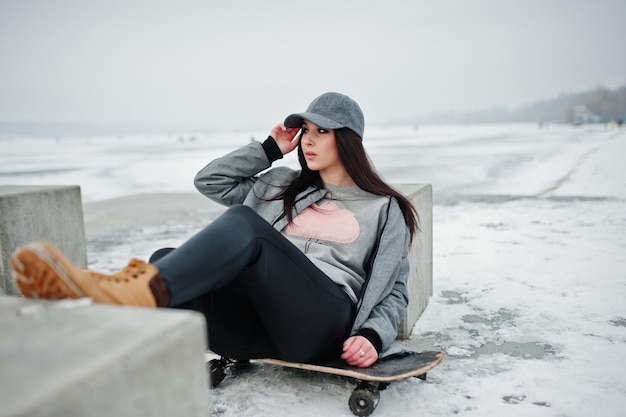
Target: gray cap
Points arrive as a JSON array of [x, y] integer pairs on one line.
[[331, 111]]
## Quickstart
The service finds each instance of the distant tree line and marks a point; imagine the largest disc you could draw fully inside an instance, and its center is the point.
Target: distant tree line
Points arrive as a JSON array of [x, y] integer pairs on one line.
[[604, 105]]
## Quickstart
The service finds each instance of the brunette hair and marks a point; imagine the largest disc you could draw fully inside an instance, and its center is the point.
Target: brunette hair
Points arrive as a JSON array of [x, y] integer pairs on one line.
[[354, 159]]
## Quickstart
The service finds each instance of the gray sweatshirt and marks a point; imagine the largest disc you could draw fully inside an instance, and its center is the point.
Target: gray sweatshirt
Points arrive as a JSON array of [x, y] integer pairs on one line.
[[339, 233], [376, 273]]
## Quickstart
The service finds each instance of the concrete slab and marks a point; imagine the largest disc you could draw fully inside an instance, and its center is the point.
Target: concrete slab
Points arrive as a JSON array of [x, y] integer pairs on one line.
[[28, 213], [72, 358], [420, 281]]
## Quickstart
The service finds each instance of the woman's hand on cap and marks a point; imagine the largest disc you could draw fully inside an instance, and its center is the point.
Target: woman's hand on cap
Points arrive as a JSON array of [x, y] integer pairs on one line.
[[286, 138]]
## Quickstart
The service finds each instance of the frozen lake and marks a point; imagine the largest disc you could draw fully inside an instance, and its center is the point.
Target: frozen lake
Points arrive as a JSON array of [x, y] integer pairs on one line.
[[529, 258]]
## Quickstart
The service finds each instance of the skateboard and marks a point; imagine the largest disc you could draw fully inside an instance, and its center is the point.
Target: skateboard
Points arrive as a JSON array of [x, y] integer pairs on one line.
[[369, 381]]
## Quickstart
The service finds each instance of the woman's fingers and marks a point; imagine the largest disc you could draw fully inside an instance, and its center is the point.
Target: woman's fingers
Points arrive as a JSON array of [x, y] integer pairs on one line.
[[358, 351], [285, 138]]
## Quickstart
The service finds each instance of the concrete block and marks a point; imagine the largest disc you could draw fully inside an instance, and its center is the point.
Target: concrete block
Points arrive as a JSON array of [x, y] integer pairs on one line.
[[29, 213], [73, 358], [420, 281]]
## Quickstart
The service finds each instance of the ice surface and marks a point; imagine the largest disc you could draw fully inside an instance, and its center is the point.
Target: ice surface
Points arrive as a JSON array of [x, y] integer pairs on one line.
[[529, 259]]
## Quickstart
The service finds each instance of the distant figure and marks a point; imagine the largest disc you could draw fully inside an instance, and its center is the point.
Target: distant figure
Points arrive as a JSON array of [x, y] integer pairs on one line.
[[304, 266]]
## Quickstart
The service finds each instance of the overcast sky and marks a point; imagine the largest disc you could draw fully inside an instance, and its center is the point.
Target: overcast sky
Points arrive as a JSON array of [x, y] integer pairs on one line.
[[245, 63]]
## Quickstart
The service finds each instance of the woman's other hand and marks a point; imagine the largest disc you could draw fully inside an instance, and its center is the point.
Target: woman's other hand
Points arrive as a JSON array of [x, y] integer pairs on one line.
[[358, 351], [285, 138]]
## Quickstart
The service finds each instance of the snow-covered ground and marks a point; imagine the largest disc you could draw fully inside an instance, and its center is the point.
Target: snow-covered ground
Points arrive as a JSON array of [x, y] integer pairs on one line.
[[529, 259]]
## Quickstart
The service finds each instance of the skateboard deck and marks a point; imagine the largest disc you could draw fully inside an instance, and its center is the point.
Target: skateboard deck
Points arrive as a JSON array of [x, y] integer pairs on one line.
[[370, 381], [391, 368]]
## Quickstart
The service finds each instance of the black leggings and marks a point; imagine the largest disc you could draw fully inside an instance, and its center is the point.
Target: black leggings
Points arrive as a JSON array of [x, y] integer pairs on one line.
[[261, 296]]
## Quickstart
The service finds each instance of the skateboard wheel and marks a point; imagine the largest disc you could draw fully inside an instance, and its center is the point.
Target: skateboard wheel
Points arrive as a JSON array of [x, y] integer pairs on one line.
[[216, 368], [364, 400]]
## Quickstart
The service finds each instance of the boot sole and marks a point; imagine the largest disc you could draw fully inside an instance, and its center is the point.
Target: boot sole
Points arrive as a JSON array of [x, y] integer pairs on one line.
[[39, 271]]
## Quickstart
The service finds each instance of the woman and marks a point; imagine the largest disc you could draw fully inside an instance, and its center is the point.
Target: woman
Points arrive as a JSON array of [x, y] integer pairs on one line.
[[305, 265]]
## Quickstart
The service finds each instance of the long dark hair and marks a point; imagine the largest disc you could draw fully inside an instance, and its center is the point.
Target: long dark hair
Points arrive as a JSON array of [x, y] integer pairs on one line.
[[354, 159]]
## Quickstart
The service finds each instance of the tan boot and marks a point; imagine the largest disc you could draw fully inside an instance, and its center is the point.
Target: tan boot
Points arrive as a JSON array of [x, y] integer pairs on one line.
[[41, 271]]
